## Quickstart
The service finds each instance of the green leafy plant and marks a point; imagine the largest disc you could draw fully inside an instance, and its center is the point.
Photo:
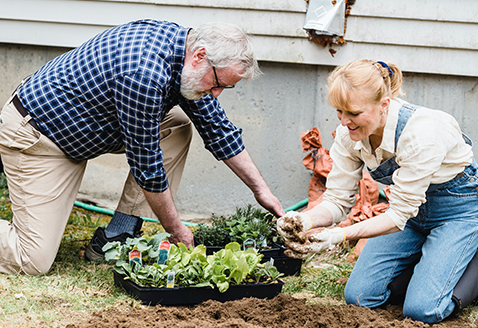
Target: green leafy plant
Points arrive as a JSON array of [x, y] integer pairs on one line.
[[192, 268], [215, 235], [245, 223]]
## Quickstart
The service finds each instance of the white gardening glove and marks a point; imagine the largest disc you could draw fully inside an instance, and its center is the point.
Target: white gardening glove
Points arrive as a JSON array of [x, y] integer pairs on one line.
[[293, 225], [326, 239]]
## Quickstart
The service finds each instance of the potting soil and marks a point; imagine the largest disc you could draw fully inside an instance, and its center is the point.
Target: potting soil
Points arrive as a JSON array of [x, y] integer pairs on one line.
[[279, 312]]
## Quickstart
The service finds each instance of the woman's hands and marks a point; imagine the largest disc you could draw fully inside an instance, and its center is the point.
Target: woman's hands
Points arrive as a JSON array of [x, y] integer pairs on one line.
[[293, 226], [326, 239]]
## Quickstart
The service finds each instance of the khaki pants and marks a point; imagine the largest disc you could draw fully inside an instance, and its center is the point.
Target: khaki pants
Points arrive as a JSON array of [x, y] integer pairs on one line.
[[43, 184]]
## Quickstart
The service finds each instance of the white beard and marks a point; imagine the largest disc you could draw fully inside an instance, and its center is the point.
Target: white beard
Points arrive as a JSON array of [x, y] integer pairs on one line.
[[191, 82]]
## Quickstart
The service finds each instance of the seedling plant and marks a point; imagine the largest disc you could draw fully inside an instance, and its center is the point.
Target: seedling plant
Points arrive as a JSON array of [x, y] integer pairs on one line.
[[191, 267], [246, 223]]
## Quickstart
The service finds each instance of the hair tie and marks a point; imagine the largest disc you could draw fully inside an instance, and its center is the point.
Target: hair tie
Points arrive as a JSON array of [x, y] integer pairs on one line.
[[390, 73]]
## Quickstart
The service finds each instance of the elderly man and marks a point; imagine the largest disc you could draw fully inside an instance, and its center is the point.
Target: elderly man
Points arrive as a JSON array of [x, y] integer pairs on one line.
[[115, 93]]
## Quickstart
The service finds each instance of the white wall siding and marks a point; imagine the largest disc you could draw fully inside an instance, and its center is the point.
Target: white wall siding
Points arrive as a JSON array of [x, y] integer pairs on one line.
[[426, 36], [81, 14], [432, 10], [421, 36]]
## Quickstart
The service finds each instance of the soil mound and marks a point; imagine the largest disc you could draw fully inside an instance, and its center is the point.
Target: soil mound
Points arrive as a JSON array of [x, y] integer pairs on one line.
[[280, 312]]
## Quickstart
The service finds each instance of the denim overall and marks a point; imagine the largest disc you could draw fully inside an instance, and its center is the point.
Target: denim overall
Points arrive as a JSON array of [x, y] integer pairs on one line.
[[443, 236]]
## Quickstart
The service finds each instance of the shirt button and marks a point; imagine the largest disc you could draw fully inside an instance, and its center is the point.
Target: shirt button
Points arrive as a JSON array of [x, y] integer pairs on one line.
[[472, 180]]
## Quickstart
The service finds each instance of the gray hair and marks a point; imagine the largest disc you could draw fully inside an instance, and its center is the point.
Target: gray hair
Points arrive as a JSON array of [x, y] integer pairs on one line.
[[226, 46]]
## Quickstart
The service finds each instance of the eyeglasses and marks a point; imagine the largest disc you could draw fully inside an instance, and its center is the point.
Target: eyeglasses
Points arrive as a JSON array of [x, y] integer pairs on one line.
[[218, 86]]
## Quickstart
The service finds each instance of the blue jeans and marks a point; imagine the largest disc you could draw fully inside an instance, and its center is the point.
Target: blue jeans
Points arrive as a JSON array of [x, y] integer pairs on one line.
[[444, 236]]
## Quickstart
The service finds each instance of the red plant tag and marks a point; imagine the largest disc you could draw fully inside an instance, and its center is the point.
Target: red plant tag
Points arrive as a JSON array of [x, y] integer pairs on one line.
[[135, 256]]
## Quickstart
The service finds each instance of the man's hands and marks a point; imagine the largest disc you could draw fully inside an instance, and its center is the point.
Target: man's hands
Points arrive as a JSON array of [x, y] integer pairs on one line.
[[293, 226], [163, 206], [326, 239], [269, 202], [182, 235]]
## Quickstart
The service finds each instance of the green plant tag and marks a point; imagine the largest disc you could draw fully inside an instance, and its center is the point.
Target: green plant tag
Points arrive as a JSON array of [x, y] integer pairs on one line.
[[249, 243], [170, 279], [135, 256], [164, 248]]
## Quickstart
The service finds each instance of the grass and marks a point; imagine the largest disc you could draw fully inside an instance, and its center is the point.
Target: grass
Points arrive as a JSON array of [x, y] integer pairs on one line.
[[322, 276], [321, 282], [72, 289], [75, 288]]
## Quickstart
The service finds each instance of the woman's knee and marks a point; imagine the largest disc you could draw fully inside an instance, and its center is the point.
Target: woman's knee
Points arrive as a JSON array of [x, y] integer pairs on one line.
[[19, 255], [357, 295], [425, 310], [419, 313], [36, 261], [351, 296]]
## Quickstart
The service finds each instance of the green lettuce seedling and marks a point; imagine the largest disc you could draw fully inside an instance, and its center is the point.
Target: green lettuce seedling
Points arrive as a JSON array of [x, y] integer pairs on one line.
[[191, 266]]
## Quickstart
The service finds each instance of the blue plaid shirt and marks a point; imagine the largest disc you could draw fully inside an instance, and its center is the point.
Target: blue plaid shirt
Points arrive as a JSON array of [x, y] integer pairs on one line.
[[114, 90]]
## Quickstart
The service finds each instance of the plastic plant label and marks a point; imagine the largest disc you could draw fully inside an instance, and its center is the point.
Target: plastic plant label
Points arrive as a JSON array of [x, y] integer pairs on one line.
[[135, 256], [271, 261], [249, 243], [264, 243], [164, 248], [170, 279]]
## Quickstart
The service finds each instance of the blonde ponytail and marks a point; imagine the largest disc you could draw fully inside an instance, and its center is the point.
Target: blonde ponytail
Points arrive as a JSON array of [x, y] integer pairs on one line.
[[373, 79], [395, 81]]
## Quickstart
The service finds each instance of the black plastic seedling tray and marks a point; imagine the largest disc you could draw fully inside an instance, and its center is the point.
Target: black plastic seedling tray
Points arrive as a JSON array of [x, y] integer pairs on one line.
[[195, 295], [213, 249], [275, 251], [286, 265]]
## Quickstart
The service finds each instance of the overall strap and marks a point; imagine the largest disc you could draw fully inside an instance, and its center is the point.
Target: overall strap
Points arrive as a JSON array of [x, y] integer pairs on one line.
[[467, 140], [384, 172], [406, 111]]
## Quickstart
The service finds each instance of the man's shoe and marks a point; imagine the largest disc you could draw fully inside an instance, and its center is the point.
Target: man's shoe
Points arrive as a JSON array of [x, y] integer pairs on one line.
[[94, 252]]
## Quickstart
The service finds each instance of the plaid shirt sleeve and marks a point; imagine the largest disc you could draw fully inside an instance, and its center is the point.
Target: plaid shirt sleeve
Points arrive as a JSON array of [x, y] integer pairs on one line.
[[139, 102]]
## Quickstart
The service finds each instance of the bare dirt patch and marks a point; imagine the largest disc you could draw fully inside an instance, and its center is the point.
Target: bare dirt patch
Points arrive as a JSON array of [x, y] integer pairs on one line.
[[280, 312]]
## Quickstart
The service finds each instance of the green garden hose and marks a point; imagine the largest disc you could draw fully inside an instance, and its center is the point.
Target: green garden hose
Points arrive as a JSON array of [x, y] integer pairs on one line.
[[300, 204], [190, 224], [111, 212]]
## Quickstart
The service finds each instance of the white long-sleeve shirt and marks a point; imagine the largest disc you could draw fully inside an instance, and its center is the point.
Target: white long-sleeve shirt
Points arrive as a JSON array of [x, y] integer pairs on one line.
[[431, 150]]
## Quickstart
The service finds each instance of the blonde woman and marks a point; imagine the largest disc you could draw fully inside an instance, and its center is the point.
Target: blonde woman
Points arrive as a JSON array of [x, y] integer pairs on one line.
[[433, 214]]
